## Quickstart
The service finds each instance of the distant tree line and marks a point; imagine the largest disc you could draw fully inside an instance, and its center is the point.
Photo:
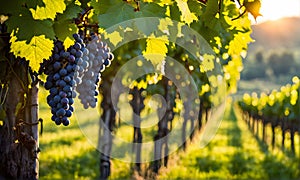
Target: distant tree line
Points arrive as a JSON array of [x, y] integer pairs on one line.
[[275, 65]]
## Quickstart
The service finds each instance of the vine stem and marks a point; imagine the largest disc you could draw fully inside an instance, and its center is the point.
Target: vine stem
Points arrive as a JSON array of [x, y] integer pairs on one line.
[[239, 16], [5, 94], [220, 5]]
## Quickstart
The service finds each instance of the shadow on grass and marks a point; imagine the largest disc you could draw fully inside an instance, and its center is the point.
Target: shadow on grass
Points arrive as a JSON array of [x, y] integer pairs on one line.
[[263, 147], [241, 163], [207, 164], [279, 169], [234, 132]]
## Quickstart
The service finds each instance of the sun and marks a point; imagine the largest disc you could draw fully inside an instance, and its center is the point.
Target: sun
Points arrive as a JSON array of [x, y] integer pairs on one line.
[[276, 9]]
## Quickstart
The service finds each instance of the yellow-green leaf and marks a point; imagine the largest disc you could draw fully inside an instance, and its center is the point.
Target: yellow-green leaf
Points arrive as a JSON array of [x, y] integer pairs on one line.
[[186, 15], [39, 48], [156, 49], [164, 25], [208, 62], [239, 43], [114, 37], [68, 42], [48, 11]]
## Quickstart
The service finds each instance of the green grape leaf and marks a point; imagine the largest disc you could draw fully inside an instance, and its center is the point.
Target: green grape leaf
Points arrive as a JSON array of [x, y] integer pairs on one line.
[[209, 15], [11, 7], [25, 27], [38, 49], [186, 15], [63, 27], [100, 7], [195, 7], [34, 4], [149, 10], [253, 7], [64, 30], [71, 12], [48, 11], [114, 14], [174, 12]]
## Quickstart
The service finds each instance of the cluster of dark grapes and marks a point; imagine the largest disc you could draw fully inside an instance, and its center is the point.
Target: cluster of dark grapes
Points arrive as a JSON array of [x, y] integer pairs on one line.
[[76, 69], [98, 58], [63, 77]]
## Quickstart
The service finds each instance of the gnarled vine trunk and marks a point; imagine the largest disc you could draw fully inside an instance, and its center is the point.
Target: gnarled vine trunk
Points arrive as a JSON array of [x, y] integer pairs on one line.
[[107, 123], [161, 146], [19, 130], [137, 104]]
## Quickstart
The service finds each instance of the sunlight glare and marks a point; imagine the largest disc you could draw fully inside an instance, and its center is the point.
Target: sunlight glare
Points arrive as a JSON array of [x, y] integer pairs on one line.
[[276, 9]]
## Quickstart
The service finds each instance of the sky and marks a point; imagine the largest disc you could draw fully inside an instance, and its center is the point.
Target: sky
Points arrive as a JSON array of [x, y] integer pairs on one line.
[[276, 9]]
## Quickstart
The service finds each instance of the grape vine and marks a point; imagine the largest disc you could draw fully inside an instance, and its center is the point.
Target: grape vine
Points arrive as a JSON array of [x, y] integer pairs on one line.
[[279, 108]]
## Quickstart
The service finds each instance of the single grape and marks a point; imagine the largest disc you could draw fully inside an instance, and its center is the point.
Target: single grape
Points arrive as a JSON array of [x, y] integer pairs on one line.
[[63, 72], [78, 54], [60, 112], [56, 77], [56, 57], [57, 121], [71, 59], [77, 46], [67, 79], [62, 94], [71, 108], [48, 85], [64, 101], [56, 98], [76, 37], [66, 122], [69, 112], [56, 66], [53, 91]]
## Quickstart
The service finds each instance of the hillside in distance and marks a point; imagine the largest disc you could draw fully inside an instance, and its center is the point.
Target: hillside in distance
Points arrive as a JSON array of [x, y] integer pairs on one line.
[[282, 33]]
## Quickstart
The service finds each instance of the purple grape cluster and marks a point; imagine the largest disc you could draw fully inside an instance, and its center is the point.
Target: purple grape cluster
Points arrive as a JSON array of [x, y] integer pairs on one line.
[[99, 58], [72, 71]]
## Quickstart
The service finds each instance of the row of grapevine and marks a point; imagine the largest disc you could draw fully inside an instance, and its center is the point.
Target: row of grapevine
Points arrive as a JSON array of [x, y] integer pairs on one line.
[[280, 108]]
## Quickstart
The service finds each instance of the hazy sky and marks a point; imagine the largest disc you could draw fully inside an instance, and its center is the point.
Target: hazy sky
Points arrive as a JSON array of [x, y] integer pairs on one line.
[[276, 9]]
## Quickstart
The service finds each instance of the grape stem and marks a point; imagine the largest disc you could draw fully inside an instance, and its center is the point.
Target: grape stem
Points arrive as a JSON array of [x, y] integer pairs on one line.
[[239, 15]]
